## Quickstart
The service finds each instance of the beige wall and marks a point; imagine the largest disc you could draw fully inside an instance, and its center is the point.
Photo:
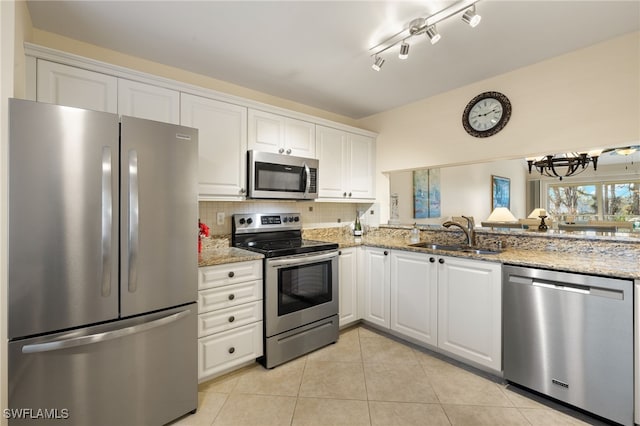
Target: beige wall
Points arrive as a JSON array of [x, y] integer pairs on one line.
[[465, 190], [585, 99], [87, 50]]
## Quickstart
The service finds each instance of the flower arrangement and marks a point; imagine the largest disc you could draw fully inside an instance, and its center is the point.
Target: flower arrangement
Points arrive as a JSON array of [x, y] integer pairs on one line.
[[203, 231]]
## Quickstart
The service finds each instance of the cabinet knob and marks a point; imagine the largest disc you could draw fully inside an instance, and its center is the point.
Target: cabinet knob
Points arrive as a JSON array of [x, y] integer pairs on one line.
[[349, 194], [339, 252], [281, 150], [432, 259], [344, 194], [232, 296], [232, 350], [386, 252], [289, 151], [232, 318], [242, 190], [441, 260], [231, 274]]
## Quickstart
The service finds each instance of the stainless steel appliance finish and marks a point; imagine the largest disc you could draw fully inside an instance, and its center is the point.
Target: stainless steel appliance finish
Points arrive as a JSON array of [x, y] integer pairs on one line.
[[102, 265], [300, 284], [281, 176], [570, 336]]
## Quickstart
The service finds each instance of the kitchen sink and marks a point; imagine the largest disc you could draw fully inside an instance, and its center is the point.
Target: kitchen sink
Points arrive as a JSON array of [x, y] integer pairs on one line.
[[438, 246], [460, 248]]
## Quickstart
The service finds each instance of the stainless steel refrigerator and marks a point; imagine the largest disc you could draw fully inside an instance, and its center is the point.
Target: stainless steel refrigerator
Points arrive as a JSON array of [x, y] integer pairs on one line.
[[102, 268]]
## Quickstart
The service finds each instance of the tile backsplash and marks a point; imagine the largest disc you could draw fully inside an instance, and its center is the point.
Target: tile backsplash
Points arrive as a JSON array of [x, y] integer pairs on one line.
[[313, 214]]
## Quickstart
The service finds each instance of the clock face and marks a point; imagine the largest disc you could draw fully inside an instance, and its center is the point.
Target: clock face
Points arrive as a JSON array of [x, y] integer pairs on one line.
[[486, 114]]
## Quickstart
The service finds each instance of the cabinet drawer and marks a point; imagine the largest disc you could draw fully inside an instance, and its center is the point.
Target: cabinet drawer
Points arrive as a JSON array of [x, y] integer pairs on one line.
[[230, 273], [226, 319], [221, 352], [228, 296]]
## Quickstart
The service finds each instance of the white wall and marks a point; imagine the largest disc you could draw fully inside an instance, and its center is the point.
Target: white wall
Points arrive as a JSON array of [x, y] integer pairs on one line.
[[585, 99], [465, 190], [7, 38]]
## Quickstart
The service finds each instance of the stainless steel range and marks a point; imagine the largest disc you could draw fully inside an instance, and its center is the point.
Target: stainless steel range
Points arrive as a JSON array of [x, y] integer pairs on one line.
[[300, 284]]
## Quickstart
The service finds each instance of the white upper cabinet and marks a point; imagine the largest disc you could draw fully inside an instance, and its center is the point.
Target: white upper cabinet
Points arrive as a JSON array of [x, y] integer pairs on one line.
[[64, 85], [279, 134], [222, 145], [347, 164], [146, 101]]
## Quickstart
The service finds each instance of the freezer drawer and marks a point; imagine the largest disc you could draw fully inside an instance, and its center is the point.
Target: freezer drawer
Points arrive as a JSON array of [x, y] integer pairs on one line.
[[141, 371]]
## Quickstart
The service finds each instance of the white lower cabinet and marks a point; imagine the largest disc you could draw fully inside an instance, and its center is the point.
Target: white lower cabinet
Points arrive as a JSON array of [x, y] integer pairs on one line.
[[377, 279], [470, 310], [452, 304], [414, 296], [230, 317], [348, 285]]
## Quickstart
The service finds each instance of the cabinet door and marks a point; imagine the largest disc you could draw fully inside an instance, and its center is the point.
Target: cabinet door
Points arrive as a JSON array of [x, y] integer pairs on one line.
[[332, 154], [414, 296], [470, 310], [281, 135], [361, 167], [146, 101], [64, 85], [222, 145], [300, 138], [348, 286], [266, 131], [377, 286]]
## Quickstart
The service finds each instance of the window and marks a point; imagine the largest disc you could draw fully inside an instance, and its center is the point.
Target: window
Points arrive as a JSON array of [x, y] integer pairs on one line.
[[610, 201]]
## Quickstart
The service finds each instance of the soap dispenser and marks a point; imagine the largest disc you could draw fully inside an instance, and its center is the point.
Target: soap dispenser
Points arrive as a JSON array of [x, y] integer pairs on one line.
[[415, 234]]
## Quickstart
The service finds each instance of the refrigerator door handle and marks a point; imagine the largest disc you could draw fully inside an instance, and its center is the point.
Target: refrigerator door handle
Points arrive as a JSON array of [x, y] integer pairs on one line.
[[102, 337], [107, 221], [133, 220]]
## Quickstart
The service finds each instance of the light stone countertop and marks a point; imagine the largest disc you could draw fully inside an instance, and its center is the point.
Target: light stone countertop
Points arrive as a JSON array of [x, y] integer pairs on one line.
[[619, 263]]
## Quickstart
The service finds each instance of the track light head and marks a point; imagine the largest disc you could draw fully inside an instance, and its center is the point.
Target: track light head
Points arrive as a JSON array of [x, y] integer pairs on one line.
[[404, 50], [471, 17], [377, 64], [433, 34]]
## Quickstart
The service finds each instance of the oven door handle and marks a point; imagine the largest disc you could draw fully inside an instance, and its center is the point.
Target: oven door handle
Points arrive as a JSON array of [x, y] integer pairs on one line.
[[302, 260]]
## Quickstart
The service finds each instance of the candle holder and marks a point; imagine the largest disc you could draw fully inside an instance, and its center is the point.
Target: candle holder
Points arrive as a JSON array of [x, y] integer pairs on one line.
[[543, 226]]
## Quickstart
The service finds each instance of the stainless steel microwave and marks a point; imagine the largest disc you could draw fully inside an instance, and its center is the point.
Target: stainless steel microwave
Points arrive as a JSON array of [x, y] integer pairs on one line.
[[281, 176]]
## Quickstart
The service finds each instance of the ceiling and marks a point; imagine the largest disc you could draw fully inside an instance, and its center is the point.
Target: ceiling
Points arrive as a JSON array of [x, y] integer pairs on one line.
[[317, 52]]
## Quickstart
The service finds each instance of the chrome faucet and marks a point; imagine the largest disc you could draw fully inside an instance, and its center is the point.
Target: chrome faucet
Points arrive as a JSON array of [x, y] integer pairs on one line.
[[469, 230]]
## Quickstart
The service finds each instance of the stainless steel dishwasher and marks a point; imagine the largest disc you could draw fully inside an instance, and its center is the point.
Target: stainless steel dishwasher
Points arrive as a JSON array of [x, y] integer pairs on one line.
[[570, 336]]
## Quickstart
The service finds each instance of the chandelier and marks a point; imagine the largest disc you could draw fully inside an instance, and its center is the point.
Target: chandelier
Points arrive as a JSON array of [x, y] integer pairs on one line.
[[562, 165]]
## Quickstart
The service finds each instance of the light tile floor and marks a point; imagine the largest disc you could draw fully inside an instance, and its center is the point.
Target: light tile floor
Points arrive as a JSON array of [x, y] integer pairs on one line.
[[367, 378]]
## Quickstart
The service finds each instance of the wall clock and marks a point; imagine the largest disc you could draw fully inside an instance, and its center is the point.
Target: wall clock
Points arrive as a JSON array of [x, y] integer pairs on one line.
[[486, 114]]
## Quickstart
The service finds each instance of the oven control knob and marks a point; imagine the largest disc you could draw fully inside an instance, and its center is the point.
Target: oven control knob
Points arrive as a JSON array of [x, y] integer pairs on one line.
[[290, 218], [285, 219], [241, 221], [249, 221], [297, 219]]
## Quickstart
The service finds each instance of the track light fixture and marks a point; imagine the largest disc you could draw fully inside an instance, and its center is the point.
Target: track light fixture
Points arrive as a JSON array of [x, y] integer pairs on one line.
[[377, 64], [433, 34], [404, 50], [425, 26], [471, 17]]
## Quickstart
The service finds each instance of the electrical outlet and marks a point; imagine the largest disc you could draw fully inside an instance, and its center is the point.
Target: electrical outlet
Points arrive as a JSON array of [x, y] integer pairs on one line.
[[220, 218]]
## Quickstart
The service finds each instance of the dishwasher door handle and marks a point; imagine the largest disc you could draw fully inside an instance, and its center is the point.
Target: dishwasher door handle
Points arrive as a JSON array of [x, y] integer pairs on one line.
[[562, 287]]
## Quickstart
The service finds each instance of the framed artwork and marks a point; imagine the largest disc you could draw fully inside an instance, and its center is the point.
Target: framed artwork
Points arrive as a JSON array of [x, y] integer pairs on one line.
[[500, 192], [426, 193]]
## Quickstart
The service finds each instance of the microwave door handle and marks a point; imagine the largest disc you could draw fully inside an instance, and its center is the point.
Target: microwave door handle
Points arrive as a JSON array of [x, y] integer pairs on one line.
[[307, 172]]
